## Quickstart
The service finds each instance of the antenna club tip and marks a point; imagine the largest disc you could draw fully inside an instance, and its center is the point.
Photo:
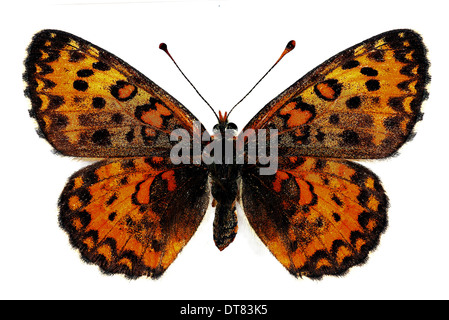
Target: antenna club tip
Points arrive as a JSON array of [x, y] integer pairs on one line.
[[291, 45], [163, 47]]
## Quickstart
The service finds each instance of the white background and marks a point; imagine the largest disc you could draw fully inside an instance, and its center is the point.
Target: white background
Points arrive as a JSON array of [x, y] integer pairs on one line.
[[224, 47]]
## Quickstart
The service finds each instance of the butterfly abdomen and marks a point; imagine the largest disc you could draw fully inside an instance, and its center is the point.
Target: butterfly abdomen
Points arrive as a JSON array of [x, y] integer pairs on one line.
[[224, 189], [225, 224]]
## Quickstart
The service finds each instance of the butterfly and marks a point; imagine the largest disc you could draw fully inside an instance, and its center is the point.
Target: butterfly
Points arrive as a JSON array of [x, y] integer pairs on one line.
[[132, 212]]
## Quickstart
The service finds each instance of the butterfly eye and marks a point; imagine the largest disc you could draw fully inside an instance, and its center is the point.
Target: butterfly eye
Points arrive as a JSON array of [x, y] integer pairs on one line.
[[216, 128], [231, 126]]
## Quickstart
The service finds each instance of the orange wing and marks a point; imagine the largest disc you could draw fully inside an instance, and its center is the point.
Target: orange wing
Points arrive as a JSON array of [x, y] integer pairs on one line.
[[133, 216], [89, 103], [361, 103], [316, 216], [320, 215]]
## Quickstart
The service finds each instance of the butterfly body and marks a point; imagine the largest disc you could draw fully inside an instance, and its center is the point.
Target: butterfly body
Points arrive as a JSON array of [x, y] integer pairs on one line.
[[224, 178], [319, 213]]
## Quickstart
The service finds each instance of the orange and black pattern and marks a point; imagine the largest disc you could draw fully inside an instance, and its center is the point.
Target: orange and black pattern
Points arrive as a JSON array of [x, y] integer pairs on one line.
[[134, 210], [89, 103], [133, 215], [360, 104], [322, 217]]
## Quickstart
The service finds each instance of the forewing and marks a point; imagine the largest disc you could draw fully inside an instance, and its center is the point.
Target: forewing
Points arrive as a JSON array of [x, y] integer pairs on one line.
[[316, 216], [90, 103], [133, 216], [361, 103]]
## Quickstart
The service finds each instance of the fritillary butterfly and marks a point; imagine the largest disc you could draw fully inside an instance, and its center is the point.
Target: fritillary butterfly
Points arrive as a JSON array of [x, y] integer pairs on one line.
[[134, 211]]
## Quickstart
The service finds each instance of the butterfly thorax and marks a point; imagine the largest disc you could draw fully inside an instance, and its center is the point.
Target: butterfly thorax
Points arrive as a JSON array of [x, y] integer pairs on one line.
[[224, 174]]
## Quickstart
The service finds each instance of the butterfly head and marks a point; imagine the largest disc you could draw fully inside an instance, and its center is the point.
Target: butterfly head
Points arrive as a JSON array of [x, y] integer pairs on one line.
[[224, 125]]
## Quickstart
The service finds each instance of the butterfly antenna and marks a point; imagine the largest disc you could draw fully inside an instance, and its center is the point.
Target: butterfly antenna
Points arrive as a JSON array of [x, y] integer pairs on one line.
[[290, 46], [164, 48]]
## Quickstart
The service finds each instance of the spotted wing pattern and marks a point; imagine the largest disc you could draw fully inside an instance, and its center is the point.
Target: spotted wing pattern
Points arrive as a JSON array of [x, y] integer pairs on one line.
[[321, 214], [134, 215], [360, 104], [317, 216], [133, 212], [89, 103]]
